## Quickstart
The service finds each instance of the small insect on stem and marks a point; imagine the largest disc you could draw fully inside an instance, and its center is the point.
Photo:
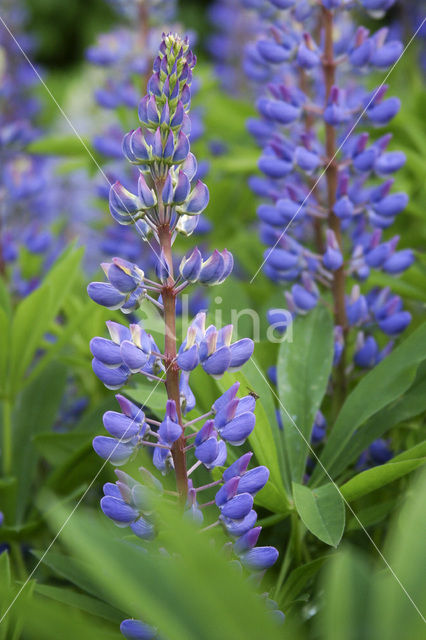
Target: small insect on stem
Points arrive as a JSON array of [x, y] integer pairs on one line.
[[253, 393]]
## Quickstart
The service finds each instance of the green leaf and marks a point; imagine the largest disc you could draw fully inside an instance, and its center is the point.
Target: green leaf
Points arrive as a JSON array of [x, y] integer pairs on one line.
[[36, 409], [31, 321], [322, 511], [400, 593], [4, 345], [80, 601], [377, 477], [371, 515], [5, 300], [387, 382], [61, 146], [298, 580], [36, 313], [150, 395], [408, 405], [57, 447], [418, 451], [72, 569], [190, 593], [347, 587], [303, 371]]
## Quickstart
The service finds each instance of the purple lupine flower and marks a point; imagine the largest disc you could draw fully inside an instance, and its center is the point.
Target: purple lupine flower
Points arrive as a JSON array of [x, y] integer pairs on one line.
[[168, 201], [345, 218]]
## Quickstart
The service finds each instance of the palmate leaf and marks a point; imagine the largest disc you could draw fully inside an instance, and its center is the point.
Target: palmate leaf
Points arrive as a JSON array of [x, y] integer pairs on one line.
[[303, 371], [384, 384], [190, 594]]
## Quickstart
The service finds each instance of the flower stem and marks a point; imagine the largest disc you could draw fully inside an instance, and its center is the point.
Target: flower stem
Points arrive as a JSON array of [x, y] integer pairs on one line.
[[338, 287], [172, 370]]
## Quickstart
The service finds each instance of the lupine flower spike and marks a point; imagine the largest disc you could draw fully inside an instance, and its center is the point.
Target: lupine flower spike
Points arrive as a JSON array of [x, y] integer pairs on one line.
[[327, 187], [167, 200]]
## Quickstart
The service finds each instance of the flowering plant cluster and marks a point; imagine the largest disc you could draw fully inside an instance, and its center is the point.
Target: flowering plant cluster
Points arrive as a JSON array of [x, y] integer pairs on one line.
[[168, 202], [327, 185], [23, 176]]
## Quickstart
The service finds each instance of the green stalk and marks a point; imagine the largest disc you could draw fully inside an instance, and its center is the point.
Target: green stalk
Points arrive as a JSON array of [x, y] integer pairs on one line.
[[7, 437]]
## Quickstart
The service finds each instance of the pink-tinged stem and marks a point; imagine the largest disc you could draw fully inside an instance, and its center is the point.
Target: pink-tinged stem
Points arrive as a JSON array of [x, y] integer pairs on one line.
[[338, 286], [172, 369]]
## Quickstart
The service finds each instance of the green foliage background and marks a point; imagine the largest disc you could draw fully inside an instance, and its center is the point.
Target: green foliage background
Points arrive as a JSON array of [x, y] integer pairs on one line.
[[351, 560]]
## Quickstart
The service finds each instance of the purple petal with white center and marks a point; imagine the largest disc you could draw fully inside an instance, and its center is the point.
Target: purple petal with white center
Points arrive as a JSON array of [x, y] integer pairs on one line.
[[117, 331], [135, 359], [197, 200], [181, 149], [146, 195], [182, 188], [188, 359], [216, 364], [190, 267]]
